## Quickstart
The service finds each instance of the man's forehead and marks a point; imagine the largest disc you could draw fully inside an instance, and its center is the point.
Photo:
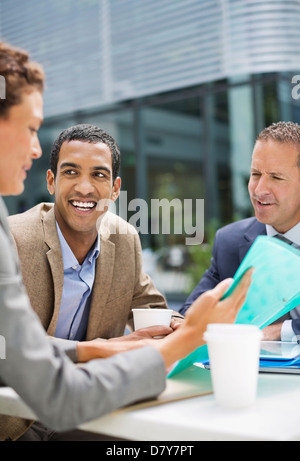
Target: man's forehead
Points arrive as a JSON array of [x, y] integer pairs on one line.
[[81, 148], [271, 153], [84, 144]]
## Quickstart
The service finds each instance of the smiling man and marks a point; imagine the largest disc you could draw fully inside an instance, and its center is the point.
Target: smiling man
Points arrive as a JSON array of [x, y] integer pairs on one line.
[[274, 189], [274, 185], [88, 282]]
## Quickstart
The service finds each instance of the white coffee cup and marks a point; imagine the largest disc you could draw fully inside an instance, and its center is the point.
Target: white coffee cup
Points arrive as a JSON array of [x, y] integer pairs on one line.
[[144, 318], [233, 351]]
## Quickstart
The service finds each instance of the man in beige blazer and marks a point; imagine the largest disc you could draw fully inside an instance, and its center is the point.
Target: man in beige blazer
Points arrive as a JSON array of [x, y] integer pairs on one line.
[[84, 164], [120, 283]]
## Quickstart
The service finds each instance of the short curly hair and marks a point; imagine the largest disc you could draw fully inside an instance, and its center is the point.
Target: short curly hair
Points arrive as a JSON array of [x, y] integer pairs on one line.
[[20, 75], [86, 133], [282, 132]]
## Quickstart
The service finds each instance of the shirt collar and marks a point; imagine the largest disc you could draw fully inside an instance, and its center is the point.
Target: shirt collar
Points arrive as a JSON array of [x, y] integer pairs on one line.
[[293, 234], [69, 259]]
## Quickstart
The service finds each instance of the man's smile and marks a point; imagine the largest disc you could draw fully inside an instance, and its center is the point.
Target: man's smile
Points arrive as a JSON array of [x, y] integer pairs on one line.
[[82, 206], [264, 204]]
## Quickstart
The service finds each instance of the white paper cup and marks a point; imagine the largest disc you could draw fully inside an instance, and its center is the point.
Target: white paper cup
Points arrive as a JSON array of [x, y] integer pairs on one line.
[[233, 351], [144, 318]]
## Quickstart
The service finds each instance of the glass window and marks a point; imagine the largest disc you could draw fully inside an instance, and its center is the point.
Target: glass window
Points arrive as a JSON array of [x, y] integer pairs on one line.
[[174, 157], [218, 194]]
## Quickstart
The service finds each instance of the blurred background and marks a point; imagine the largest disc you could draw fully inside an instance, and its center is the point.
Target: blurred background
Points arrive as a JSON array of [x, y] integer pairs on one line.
[[184, 86]]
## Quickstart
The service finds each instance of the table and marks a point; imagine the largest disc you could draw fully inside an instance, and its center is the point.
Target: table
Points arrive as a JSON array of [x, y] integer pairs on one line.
[[274, 417]]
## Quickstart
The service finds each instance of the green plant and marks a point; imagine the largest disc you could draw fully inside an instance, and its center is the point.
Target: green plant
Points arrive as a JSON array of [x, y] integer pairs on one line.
[[200, 258]]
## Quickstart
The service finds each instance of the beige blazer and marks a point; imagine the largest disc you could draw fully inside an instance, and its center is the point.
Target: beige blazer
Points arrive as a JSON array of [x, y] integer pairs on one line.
[[120, 283]]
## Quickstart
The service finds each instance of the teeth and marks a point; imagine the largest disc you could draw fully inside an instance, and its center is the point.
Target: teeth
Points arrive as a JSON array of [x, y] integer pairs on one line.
[[264, 203], [83, 204]]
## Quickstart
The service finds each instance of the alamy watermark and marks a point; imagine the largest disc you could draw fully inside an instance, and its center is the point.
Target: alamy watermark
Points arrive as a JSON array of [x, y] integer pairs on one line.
[[296, 88], [159, 216], [2, 347], [2, 87]]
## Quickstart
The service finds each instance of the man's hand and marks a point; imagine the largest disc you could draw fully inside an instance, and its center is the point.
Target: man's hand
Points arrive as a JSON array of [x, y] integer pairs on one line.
[[272, 332], [88, 350], [176, 322]]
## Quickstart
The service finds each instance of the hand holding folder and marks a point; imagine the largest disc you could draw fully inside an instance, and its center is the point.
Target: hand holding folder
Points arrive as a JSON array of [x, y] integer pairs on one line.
[[275, 289]]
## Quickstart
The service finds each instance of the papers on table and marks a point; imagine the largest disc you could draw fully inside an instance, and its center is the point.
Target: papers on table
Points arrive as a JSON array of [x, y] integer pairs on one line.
[[279, 355]]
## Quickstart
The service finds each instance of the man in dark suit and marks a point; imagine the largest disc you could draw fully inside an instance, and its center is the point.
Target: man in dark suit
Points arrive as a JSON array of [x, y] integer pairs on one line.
[[274, 189]]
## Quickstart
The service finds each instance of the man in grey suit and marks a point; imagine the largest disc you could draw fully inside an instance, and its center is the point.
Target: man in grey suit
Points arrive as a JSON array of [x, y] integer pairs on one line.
[[39, 369], [274, 189]]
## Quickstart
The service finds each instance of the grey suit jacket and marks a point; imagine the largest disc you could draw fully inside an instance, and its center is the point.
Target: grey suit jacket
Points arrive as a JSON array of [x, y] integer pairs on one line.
[[62, 394]]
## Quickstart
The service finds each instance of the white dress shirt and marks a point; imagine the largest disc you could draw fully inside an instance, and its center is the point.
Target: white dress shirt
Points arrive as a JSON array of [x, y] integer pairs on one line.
[[287, 333]]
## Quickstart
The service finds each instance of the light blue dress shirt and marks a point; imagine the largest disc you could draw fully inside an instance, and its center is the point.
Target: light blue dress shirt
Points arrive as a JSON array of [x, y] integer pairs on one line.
[[77, 288]]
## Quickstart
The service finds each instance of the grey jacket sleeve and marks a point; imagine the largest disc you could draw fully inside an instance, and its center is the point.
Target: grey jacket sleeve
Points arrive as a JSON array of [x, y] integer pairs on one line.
[[67, 346], [62, 394]]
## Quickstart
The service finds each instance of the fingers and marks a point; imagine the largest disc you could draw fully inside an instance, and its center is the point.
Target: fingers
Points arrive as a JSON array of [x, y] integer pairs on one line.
[[156, 330], [210, 306], [175, 323], [240, 292], [219, 290]]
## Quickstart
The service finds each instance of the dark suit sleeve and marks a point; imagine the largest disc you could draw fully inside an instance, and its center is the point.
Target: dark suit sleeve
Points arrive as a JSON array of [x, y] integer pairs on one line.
[[228, 251], [209, 280]]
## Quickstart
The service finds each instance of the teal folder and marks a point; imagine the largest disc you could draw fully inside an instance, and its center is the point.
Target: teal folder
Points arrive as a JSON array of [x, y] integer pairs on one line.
[[274, 291]]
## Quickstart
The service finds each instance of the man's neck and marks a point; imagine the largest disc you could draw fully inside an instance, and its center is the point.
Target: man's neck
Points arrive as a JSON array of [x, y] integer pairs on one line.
[[80, 246], [80, 243], [292, 234]]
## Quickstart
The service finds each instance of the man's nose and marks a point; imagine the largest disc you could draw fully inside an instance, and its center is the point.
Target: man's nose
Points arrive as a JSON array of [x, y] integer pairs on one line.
[[84, 185], [262, 187]]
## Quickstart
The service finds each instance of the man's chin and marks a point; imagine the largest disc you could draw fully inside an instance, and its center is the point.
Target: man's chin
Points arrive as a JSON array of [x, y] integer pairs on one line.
[[265, 215]]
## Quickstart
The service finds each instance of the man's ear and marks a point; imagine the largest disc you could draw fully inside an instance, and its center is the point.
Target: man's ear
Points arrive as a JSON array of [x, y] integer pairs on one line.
[[50, 182], [116, 189]]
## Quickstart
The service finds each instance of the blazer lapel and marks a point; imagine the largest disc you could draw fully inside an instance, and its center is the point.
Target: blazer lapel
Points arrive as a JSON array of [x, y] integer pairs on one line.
[[56, 265], [102, 285], [254, 230]]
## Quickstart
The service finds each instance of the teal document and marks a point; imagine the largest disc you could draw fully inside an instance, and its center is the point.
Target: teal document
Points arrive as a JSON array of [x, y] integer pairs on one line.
[[274, 291]]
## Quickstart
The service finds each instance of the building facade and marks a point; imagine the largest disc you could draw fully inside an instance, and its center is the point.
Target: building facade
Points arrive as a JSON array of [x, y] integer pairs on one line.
[[184, 86]]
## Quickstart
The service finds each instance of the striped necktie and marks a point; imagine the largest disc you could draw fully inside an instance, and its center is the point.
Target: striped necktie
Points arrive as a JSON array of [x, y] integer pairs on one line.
[[289, 242]]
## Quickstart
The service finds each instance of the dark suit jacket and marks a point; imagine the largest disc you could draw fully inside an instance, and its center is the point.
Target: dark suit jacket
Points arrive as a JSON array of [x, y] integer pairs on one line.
[[231, 244]]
